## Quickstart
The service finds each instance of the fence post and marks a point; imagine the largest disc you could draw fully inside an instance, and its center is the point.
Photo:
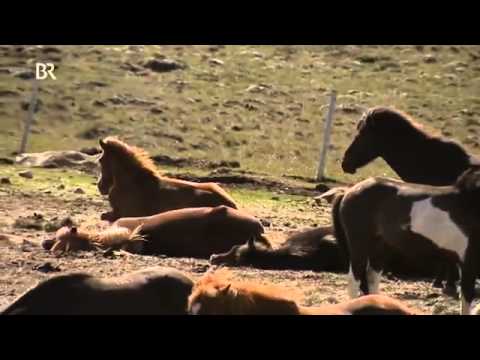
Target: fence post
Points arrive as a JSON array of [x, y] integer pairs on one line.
[[29, 119], [326, 136]]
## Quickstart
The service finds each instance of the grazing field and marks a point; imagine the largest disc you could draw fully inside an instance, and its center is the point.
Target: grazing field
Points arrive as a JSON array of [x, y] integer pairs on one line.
[[225, 112]]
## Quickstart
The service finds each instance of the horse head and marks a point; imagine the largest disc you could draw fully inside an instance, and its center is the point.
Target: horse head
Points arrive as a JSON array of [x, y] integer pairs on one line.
[[211, 298], [237, 255], [105, 180], [363, 148], [69, 238]]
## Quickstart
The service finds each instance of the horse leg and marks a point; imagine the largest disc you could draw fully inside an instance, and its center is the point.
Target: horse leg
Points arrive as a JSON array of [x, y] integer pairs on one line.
[[467, 286], [452, 278], [357, 276], [375, 269], [440, 275]]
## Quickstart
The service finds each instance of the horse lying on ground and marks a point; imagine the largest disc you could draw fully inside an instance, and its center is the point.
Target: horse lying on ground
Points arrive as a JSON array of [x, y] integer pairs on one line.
[[313, 250], [194, 232], [135, 188], [307, 250], [415, 155], [215, 294], [155, 291], [420, 221]]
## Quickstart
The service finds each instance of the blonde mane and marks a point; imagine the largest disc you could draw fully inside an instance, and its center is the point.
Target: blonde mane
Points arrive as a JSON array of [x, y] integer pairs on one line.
[[118, 236], [138, 157], [113, 236]]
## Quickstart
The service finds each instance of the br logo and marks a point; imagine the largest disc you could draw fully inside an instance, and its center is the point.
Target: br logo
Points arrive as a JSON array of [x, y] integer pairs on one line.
[[45, 70]]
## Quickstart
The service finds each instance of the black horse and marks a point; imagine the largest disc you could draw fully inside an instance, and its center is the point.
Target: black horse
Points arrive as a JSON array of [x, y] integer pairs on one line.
[[155, 291], [420, 221], [306, 250], [415, 155]]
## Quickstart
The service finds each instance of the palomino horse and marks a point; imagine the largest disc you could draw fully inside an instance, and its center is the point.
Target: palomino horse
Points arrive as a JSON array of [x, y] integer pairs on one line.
[[135, 188], [215, 294], [421, 221], [154, 291], [192, 232], [415, 155]]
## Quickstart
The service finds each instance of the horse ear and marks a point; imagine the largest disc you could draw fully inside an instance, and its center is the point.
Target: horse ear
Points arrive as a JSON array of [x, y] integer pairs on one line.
[[251, 243], [102, 143]]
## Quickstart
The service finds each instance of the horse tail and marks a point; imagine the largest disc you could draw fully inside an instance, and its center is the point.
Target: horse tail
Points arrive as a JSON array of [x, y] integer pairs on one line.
[[338, 228], [226, 198]]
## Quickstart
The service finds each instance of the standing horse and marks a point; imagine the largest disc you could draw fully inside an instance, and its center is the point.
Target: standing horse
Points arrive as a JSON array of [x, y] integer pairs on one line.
[[415, 155], [192, 232], [135, 188], [420, 221], [153, 291], [215, 294]]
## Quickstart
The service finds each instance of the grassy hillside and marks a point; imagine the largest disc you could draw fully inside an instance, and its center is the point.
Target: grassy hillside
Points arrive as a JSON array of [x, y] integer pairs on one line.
[[263, 106]]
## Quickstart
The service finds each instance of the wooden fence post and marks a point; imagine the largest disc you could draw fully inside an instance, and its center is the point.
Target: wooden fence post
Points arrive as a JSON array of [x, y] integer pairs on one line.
[[29, 119], [326, 136]]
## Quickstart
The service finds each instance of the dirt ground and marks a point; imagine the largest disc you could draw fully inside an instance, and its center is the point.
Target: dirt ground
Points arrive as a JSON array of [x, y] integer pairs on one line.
[[23, 262]]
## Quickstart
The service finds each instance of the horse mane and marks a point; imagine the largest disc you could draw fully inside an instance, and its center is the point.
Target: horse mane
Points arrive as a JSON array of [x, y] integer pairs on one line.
[[401, 118], [246, 294], [118, 236], [114, 236], [138, 157]]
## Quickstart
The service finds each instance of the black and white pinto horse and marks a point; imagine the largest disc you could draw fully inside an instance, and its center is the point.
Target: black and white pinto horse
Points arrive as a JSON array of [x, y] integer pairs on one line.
[[414, 154], [421, 221]]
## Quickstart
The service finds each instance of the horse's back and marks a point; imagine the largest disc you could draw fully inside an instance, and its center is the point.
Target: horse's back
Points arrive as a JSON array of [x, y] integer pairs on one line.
[[194, 194], [52, 296], [198, 232], [364, 196], [152, 292], [312, 250], [377, 304], [235, 220]]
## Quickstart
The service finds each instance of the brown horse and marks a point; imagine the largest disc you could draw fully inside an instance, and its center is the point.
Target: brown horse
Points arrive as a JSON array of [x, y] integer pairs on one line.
[[420, 221], [154, 291], [193, 232], [135, 188], [415, 155], [215, 294]]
